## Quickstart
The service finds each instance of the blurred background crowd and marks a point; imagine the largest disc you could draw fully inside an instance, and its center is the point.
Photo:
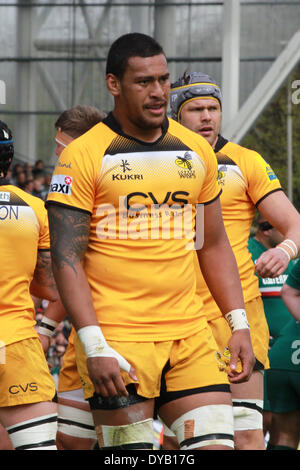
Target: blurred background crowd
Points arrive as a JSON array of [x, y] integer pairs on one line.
[[32, 178]]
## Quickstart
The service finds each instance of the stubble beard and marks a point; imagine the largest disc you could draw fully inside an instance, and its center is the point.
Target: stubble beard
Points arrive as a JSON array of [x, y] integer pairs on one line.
[[144, 123]]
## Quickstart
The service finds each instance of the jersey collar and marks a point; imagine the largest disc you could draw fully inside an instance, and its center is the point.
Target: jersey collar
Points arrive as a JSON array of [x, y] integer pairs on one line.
[[114, 125], [221, 142]]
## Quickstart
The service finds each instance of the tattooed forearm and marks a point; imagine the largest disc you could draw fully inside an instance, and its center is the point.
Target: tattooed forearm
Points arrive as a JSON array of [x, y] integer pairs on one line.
[[69, 233], [43, 274]]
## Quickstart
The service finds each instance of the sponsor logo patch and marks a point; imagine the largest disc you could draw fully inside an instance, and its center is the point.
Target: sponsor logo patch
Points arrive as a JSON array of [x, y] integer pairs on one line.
[[270, 173], [4, 196], [23, 388], [61, 184], [125, 165]]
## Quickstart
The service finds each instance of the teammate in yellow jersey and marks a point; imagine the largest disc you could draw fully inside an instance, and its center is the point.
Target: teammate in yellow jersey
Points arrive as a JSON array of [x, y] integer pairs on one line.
[[27, 387], [248, 183], [122, 210], [75, 422]]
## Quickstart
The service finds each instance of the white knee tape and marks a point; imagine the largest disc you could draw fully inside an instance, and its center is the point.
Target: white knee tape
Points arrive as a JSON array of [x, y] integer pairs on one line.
[[205, 426], [167, 431], [140, 433], [74, 395], [76, 422], [34, 434], [247, 414]]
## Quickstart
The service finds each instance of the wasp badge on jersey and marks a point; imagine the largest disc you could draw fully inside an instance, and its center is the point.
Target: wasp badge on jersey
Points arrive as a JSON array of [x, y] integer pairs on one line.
[[221, 174], [220, 361], [185, 161]]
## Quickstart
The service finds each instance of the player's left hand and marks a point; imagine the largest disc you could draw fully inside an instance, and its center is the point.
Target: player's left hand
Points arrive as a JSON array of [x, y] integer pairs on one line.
[[271, 263]]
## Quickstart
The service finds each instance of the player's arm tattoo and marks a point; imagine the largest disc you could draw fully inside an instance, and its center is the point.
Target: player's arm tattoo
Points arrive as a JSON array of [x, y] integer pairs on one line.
[[69, 233], [43, 274]]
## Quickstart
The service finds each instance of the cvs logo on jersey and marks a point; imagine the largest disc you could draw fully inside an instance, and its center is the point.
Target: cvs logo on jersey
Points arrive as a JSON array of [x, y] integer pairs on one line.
[[176, 196], [61, 184], [30, 387]]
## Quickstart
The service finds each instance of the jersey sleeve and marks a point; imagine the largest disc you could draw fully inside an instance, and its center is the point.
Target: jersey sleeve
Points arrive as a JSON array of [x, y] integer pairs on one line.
[[210, 189], [293, 279], [74, 177], [261, 178], [38, 206], [44, 237]]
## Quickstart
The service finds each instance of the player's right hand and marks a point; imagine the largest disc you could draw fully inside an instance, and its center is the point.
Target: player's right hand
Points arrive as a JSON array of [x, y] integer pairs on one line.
[[106, 376], [45, 340], [240, 347]]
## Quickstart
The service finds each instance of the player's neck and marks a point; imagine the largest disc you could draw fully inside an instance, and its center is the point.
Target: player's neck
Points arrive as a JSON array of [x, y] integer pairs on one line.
[[138, 132]]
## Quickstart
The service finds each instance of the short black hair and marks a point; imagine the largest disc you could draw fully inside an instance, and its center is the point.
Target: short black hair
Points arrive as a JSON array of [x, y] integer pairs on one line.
[[127, 46]]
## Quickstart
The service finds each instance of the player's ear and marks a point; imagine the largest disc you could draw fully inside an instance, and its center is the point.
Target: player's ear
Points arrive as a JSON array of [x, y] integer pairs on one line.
[[113, 84]]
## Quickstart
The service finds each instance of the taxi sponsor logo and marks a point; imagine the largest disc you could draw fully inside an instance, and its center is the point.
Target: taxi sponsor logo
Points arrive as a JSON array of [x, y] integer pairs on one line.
[[61, 184]]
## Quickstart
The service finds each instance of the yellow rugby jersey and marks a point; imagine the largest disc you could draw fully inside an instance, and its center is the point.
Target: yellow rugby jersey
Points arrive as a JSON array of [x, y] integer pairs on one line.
[[23, 231], [245, 178], [141, 276]]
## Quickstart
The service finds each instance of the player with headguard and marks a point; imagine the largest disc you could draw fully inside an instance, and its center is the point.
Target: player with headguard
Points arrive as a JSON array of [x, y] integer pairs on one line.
[[248, 182]]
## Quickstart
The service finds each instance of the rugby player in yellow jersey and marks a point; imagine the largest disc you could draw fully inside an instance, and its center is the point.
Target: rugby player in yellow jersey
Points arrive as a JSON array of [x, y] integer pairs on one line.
[[248, 183], [27, 387], [75, 422], [127, 282]]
